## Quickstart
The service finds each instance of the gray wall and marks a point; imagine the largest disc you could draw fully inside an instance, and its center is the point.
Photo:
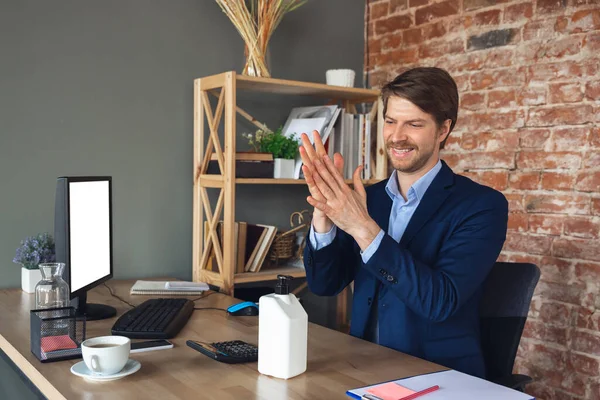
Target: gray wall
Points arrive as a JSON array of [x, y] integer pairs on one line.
[[105, 88]]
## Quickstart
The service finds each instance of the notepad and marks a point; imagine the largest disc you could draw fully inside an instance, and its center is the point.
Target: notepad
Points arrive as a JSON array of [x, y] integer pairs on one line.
[[453, 385], [390, 391], [160, 287]]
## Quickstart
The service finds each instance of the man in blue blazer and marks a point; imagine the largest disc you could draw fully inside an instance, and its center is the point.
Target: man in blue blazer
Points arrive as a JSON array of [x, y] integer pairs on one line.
[[419, 245]]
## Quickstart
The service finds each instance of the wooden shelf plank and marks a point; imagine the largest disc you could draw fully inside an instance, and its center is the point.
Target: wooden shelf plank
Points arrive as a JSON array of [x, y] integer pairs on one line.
[[269, 274]]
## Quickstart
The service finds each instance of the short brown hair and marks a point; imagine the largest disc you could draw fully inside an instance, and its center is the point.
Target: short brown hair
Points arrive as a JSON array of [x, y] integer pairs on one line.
[[431, 89]]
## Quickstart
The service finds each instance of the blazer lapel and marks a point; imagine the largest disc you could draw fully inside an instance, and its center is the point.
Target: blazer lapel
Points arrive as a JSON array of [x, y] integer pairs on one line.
[[434, 197], [382, 209]]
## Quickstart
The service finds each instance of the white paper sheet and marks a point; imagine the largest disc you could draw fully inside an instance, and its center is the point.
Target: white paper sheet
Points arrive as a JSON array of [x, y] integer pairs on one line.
[[299, 126], [454, 385]]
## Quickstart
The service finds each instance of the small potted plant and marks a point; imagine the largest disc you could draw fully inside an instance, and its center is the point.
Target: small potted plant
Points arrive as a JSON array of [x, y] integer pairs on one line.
[[284, 150], [33, 251]]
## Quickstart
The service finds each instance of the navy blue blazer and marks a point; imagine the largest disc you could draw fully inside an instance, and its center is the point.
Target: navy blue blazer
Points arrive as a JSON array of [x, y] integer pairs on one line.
[[429, 285]]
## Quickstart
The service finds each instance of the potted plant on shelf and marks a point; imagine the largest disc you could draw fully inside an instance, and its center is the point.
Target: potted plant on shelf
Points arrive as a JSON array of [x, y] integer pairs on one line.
[[33, 251], [283, 148]]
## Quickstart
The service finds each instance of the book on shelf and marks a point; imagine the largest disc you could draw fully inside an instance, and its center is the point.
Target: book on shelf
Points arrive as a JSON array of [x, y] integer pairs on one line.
[[252, 243]]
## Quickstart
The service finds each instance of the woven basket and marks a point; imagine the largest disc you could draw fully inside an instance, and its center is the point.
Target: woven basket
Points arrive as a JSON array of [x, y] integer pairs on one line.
[[282, 247]]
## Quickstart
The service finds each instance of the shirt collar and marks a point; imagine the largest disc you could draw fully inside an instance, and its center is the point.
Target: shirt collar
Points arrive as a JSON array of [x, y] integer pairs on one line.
[[418, 188]]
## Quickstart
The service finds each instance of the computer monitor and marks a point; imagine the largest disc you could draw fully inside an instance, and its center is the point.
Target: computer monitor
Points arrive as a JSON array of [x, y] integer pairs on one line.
[[83, 238]]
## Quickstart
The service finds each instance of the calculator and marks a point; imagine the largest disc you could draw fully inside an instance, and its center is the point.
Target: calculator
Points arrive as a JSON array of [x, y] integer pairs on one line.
[[232, 352]]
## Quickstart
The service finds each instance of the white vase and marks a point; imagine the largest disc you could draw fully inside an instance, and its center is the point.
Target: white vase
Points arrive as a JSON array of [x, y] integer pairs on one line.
[[30, 278], [284, 168]]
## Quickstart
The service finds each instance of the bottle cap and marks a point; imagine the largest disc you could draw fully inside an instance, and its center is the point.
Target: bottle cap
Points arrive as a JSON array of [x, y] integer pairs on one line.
[[282, 286]]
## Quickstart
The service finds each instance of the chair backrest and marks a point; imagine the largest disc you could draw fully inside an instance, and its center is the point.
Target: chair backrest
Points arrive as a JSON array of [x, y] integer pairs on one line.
[[504, 306]]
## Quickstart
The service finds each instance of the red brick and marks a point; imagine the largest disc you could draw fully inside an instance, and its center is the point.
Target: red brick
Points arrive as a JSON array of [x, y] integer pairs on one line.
[[533, 138], [436, 10], [592, 90], [564, 70], [524, 180], [584, 249], [400, 56], [459, 24], [531, 96], [501, 98], [544, 51], [497, 78], [377, 78], [518, 222], [558, 180], [378, 10], [370, 29], [566, 293], [417, 3], [516, 12], [573, 383], [595, 137], [490, 141], [592, 159], [434, 30], [525, 243], [584, 317], [375, 46], [484, 18], [472, 101], [555, 269], [491, 121], [588, 181], [540, 391], [567, 139], [549, 6], [596, 206], [495, 179], [392, 24], [584, 364], [555, 313], [481, 160], [561, 115], [515, 202], [581, 21], [398, 5], [538, 29], [565, 93], [462, 82], [412, 36], [475, 4], [592, 42], [586, 342], [541, 331], [557, 203], [546, 160], [583, 227], [588, 272], [390, 42], [546, 224], [441, 48], [498, 57]]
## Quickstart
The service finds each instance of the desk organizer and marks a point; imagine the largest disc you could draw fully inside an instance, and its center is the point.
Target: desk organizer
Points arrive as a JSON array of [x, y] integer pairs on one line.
[[56, 334]]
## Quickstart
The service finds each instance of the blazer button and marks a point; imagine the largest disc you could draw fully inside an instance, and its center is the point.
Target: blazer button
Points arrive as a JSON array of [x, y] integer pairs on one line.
[[369, 301], [390, 278]]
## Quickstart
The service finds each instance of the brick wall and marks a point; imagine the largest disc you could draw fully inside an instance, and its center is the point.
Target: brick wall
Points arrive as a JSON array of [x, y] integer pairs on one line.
[[529, 125]]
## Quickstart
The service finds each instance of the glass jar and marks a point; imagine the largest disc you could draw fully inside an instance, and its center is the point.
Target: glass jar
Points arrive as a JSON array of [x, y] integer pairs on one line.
[[52, 291]]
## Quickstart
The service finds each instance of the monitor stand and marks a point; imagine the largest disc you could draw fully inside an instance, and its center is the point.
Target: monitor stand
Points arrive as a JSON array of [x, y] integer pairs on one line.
[[92, 312]]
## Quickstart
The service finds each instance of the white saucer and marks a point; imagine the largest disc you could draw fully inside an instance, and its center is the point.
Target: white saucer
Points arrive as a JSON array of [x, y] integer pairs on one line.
[[80, 369]]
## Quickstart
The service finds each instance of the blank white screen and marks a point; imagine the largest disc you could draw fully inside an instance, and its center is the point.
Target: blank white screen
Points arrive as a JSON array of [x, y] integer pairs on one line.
[[90, 232]]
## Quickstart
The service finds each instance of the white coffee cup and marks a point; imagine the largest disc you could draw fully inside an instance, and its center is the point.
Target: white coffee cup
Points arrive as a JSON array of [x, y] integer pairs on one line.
[[106, 355]]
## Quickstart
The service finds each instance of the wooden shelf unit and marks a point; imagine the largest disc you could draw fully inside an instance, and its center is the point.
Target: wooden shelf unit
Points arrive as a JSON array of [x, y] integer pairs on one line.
[[224, 86]]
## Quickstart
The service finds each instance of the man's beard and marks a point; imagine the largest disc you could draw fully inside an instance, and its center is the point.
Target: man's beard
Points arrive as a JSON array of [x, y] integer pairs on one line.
[[416, 161]]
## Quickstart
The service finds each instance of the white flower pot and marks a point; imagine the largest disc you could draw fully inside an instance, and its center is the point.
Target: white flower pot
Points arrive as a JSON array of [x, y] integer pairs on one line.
[[284, 168], [30, 278]]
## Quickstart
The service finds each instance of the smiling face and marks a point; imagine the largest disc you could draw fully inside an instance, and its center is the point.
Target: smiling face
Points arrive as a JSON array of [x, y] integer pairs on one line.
[[412, 137]]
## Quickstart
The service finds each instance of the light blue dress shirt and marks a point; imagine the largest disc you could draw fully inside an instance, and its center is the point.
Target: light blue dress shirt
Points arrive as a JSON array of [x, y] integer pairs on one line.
[[400, 215]]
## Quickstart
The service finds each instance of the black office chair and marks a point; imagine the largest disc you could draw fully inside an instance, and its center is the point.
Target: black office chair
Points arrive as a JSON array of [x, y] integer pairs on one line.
[[504, 306]]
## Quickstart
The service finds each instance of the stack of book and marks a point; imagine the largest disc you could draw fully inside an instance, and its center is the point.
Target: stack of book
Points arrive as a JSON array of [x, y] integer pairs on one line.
[[251, 245]]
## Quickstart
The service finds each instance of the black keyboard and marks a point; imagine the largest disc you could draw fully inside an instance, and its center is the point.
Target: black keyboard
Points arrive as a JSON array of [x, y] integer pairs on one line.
[[154, 319]]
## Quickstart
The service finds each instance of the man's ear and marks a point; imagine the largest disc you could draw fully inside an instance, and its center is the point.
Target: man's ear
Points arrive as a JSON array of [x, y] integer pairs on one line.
[[444, 130]]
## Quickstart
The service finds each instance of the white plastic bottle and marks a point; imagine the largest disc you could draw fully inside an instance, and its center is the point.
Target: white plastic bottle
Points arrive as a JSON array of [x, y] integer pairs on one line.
[[282, 333]]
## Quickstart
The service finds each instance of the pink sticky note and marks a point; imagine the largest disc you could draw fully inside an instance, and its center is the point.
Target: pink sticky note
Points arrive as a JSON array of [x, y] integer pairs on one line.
[[390, 391]]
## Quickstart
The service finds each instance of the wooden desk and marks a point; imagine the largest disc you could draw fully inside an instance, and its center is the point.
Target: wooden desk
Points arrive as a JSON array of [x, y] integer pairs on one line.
[[336, 362]]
